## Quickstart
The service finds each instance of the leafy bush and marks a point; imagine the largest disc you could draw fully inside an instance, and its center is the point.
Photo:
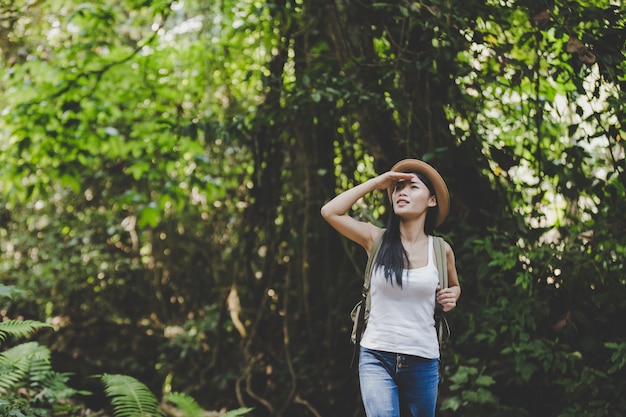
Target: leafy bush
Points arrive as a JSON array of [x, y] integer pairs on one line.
[[28, 384], [30, 387]]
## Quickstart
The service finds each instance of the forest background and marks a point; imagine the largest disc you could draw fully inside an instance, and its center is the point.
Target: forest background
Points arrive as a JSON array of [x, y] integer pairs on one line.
[[163, 164]]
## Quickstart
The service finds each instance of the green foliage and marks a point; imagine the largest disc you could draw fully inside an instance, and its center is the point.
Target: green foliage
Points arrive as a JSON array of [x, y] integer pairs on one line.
[[27, 380], [238, 412], [549, 323], [618, 357], [24, 361], [189, 407], [20, 408], [163, 164], [470, 391], [19, 328], [129, 397], [9, 291]]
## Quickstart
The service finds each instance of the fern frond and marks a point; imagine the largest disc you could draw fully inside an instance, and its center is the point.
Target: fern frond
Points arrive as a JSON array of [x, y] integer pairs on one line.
[[9, 377], [129, 397], [187, 404], [53, 386], [19, 328], [238, 412], [16, 363], [189, 407]]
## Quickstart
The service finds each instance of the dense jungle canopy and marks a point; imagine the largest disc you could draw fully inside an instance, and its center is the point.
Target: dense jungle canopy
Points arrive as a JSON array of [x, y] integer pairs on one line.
[[163, 164]]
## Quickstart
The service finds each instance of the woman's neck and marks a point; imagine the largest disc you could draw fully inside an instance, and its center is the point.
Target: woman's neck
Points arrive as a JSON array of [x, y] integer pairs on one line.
[[412, 232]]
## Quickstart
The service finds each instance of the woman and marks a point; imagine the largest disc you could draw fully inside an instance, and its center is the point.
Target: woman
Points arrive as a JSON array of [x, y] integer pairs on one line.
[[399, 357]]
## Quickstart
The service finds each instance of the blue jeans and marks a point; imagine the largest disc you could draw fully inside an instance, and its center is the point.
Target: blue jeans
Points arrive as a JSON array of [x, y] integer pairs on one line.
[[396, 385]]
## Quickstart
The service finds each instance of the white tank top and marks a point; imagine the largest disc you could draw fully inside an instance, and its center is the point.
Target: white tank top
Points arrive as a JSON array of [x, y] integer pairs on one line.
[[402, 319]]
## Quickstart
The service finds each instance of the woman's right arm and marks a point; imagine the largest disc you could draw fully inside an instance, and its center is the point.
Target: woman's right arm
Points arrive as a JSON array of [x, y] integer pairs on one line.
[[335, 212]]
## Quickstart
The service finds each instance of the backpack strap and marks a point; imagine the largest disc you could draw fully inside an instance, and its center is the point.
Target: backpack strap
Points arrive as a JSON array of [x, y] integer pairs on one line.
[[442, 267], [369, 269], [360, 312]]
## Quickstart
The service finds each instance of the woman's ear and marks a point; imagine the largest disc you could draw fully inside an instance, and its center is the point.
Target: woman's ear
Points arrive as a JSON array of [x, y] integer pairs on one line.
[[432, 201]]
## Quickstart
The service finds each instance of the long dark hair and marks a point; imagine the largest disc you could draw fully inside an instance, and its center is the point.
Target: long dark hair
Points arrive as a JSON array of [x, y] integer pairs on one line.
[[392, 257]]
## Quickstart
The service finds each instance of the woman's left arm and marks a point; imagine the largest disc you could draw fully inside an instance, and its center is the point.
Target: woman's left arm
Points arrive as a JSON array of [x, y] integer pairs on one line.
[[448, 297]]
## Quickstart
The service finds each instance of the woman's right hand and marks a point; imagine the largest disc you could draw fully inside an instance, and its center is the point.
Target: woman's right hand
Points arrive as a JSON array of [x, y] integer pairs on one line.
[[391, 178]]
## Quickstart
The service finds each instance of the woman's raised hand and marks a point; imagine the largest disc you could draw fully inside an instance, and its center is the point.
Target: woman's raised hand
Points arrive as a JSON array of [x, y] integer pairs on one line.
[[390, 178]]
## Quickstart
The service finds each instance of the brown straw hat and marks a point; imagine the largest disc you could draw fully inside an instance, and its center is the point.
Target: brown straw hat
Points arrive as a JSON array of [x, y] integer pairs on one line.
[[441, 190]]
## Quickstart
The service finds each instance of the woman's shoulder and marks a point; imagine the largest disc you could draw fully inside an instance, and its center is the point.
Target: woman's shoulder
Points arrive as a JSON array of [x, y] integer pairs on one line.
[[444, 242]]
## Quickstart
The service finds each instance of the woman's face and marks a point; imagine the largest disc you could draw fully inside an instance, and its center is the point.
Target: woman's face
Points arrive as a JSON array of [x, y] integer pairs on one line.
[[412, 198]]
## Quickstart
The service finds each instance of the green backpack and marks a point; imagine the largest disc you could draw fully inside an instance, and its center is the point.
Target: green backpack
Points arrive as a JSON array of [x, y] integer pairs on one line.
[[360, 315]]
